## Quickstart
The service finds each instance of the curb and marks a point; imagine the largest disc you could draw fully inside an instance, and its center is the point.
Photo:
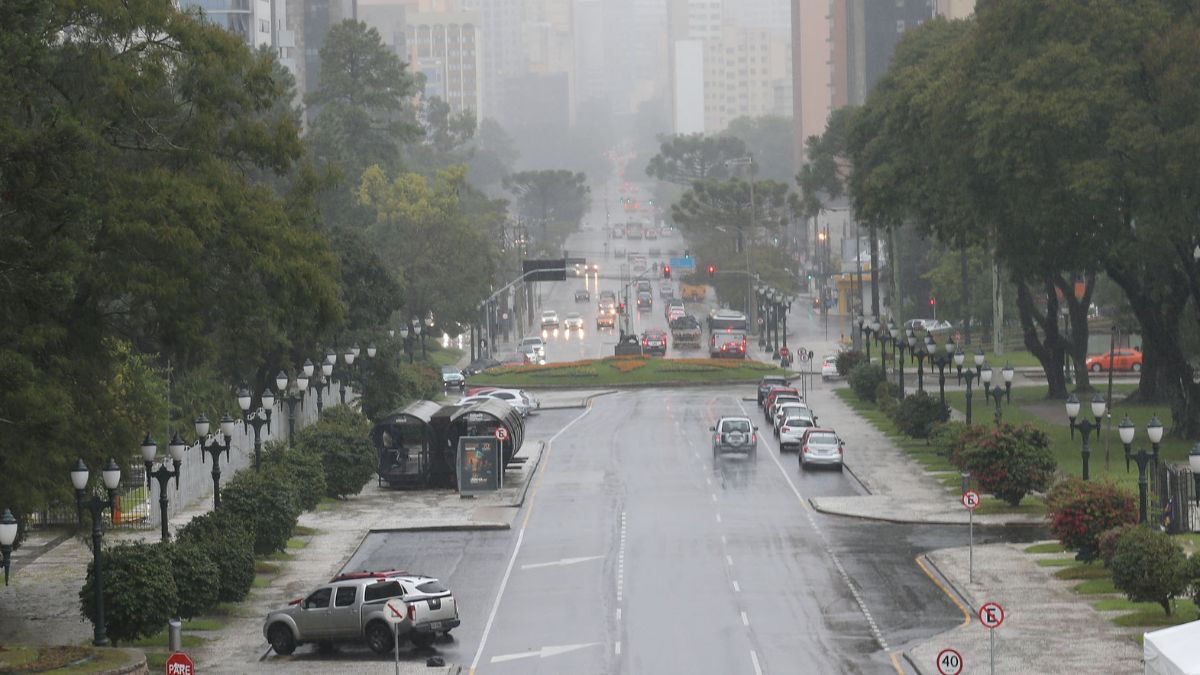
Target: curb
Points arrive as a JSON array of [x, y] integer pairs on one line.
[[521, 502], [586, 401], [457, 527], [630, 385], [910, 521]]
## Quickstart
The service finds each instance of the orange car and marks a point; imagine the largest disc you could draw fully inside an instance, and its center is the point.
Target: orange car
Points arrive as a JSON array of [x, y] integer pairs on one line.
[[1118, 359]]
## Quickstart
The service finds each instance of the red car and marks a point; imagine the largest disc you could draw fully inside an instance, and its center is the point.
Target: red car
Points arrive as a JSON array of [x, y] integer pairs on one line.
[[1123, 358]]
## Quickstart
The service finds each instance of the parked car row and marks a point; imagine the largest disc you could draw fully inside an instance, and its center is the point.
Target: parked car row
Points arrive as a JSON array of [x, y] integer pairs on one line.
[[796, 425]]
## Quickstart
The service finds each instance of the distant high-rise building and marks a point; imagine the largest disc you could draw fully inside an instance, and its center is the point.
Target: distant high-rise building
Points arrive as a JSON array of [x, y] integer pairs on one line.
[[954, 9], [503, 55], [840, 49], [745, 70], [258, 22], [444, 46]]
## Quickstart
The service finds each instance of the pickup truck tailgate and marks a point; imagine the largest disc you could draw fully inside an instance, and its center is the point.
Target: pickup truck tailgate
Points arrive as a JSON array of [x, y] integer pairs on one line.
[[433, 612]]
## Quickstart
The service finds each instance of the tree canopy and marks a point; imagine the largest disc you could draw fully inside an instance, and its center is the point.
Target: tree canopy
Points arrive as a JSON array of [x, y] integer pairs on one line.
[[553, 199], [687, 158]]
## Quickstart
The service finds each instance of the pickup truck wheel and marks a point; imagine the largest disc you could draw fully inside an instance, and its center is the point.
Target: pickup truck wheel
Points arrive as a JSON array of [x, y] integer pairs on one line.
[[379, 637], [281, 639], [422, 640]]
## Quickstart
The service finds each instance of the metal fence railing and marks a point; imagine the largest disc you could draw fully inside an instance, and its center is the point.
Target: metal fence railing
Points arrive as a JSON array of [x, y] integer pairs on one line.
[[1174, 497], [138, 502]]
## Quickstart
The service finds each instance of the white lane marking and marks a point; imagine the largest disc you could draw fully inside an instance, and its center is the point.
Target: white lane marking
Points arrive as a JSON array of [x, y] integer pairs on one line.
[[621, 562], [543, 652], [729, 560], [718, 517], [723, 541], [714, 497], [745, 619], [754, 660], [708, 480], [487, 628], [617, 647], [561, 563], [618, 614], [837, 562], [736, 587]]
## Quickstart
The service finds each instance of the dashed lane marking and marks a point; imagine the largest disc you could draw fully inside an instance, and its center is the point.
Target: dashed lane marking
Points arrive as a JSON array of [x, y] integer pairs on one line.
[[828, 547]]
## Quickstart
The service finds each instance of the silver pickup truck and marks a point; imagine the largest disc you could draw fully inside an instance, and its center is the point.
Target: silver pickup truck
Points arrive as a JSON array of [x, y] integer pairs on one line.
[[351, 608]]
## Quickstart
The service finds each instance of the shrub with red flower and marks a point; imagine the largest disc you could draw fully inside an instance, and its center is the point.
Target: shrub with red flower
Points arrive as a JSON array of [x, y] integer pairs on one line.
[[1080, 512], [1008, 461]]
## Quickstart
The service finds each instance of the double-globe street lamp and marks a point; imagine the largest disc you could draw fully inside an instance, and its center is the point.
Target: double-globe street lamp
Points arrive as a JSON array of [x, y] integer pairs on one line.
[[941, 357], [213, 445], [919, 349], [96, 505], [294, 395], [1086, 427], [257, 418], [410, 331], [1154, 431], [900, 346], [163, 474]]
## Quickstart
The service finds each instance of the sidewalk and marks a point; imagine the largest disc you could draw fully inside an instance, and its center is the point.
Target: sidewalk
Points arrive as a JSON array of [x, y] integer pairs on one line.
[[902, 491], [1047, 628], [42, 604]]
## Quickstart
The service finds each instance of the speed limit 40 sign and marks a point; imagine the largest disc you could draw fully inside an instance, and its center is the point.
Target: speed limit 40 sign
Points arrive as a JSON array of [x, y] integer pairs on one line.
[[949, 662]]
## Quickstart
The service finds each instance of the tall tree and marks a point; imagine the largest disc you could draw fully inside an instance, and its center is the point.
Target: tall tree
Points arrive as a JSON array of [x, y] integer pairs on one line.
[[420, 227], [687, 158], [361, 110], [130, 226], [493, 155], [555, 199], [769, 140]]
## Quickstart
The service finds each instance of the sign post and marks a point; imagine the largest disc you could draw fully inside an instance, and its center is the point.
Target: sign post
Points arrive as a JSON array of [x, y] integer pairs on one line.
[[991, 615], [949, 662], [970, 499], [180, 664], [395, 611]]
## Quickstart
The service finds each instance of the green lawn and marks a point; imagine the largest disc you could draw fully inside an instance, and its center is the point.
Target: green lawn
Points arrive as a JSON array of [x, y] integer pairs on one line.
[[1067, 450], [1046, 547], [437, 356], [1018, 359], [1096, 580], [628, 370]]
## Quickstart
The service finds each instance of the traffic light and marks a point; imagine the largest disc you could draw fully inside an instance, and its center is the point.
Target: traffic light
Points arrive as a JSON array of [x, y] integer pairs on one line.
[[712, 271], [666, 271], [932, 302]]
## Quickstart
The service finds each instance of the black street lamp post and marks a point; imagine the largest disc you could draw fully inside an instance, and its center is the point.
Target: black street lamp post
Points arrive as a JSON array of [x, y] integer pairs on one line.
[[1144, 459], [162, 474], [348, 359], [997, 394], [960, 357], [8, 535], [213, 445], [969, 376], [942, 358], [257, 418], [324, 378], [901, 343], [1086, 427], [979, 357], [865, 330], [96, 505], [292, 396], [760, 295], [785, 308], [985, 379]]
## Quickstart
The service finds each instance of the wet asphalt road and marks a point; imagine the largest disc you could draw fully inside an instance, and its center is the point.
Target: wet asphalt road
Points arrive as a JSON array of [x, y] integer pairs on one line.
[[636, 553]]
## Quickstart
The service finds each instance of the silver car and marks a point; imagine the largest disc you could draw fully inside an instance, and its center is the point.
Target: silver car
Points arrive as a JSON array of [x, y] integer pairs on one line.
[[821, 447], [352, 607], [734, 434]]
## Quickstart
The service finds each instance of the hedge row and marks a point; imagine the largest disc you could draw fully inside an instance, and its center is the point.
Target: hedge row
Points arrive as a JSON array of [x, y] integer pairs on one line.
[[212, 557]]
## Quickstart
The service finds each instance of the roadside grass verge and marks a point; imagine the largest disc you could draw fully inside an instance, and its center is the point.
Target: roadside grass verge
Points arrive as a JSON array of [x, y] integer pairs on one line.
[[943, 471], [1046, 547], [617, 371], [1108, 454], [1095, 582]]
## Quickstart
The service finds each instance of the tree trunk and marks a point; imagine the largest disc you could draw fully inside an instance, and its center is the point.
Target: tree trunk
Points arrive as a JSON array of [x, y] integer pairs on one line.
[[997, 309], [966, 293], [1076, 341], [1048, 352], [875, 272], [894, 280], [1166, 371]]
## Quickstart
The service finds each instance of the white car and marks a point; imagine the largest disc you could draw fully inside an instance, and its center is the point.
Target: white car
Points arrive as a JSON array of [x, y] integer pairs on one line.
[[519, 399], [549, 319], [573, 321], [791, 432], [789, 410], [829, 367], [536, 343]]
